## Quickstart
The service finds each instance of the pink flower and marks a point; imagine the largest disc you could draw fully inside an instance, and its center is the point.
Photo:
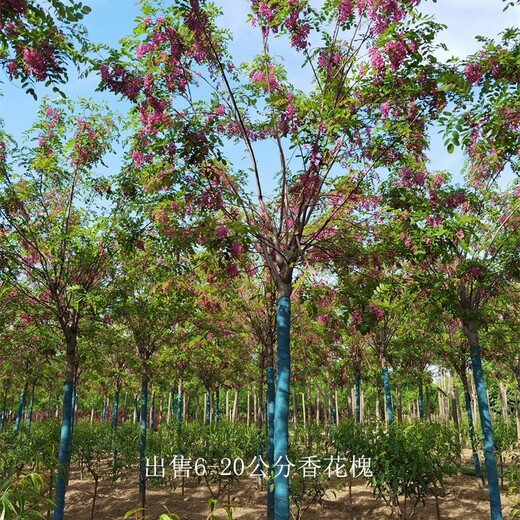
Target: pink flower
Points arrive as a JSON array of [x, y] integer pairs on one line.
[[265, 11], [385, 107], [221, 231], [356, 317], [473, 73], [437, 181], [475, 272], [236, 249], [376, 60], [232, 270], [257, 77], [137, 157], [459, 234], [345, 9], [376, 311]]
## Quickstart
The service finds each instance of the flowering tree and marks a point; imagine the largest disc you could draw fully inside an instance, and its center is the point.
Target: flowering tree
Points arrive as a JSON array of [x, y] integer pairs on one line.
[[54, 245], [370, 87], [464, 244], [484, 116], [145, 303], [37, 39]]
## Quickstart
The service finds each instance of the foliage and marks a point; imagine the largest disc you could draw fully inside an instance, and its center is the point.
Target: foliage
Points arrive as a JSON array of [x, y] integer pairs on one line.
[[409, 462], [38, 39], [21, 497]]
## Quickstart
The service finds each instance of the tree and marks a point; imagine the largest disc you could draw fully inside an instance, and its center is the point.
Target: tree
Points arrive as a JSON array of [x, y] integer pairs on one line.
[[37, 40], [464, 244], [55, 245], [192, 101]]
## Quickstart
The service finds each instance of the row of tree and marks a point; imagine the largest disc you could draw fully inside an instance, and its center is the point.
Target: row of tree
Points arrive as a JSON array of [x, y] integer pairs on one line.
[[189, 255]]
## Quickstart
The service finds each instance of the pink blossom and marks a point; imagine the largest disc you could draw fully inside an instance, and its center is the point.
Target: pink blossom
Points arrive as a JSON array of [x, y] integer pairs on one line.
[[376, 311], [299, 37], [221, 231], [356, 317], [236, 249], [376, 60], [434, 221], [232, 270], [385, 107], [459, 234], [265, 11], [257, 77], [137, 157], [437, 181], [473, 73], [345, 9]]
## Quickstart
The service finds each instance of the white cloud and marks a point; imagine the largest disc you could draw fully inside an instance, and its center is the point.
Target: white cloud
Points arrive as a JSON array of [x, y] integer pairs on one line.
[[468, 18]]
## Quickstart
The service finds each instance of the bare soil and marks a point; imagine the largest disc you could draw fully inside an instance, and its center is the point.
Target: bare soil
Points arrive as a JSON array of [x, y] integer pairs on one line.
[[464, 498]]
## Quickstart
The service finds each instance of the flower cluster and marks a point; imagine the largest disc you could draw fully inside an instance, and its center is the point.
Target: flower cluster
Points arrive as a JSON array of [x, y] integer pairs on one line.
[[383, 13], [119, 80]]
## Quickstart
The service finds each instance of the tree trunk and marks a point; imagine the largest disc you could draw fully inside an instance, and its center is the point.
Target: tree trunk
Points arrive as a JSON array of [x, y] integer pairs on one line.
[[248, 407], [336, 409], [428, 405], [4, 410], [30, 413], [21, 408], [467, 399], [62, 475], [388, 395], [228, 415], [317, 406], [152, 413], [217, 406], [357, 390], [503, 401], [170, 406], [104, 409], [421, 399], [73, 406], [179, 415], [485, 420], [235, 407], [115, 409], [270, 438], [142, 437], [295, 410], [455, 414], [207, 415], [281, 410]]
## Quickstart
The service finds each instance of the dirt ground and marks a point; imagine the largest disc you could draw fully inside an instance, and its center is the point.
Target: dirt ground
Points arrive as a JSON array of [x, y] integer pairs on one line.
[[464, 498]]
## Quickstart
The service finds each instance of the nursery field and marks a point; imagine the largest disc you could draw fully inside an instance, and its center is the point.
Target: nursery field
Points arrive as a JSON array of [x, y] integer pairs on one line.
[[259, 259], [410, 470], [463, 498]]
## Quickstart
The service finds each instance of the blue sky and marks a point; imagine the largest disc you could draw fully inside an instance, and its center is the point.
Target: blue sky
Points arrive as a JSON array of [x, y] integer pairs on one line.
[[113, 19]]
